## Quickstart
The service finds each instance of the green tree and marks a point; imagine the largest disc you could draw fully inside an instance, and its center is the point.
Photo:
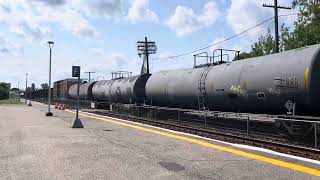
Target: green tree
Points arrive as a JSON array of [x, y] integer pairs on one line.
[[45, 86], [33, 87], [264, 46], [306, 28], [4, 90]]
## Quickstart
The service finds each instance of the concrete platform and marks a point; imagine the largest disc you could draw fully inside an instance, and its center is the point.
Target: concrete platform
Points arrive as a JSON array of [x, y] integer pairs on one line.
[[33, 146]]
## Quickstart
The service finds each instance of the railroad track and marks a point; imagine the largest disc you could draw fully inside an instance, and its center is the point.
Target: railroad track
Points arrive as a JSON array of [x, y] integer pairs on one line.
[[271, 143]]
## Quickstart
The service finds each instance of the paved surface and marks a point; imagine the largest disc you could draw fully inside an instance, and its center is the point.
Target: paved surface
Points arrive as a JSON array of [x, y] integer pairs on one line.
[[33, 146]]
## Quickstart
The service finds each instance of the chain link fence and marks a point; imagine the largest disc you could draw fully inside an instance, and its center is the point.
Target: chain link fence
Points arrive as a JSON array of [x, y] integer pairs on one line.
[[261, 126]]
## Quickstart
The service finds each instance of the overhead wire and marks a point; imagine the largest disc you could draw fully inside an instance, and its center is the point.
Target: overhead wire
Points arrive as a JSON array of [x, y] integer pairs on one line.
[[224, 40]]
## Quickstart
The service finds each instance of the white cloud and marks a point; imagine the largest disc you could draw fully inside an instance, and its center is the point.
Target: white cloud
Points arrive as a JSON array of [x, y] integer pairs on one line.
[[184, 21], [106, 63], [96, 8], [244, 14], [32, 32], [98, 51], [28, 18], [51, 2], [10, 48], [140, 12]]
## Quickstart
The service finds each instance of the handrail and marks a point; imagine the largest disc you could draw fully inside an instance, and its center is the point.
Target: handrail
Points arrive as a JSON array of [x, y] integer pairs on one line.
[[199, 55]]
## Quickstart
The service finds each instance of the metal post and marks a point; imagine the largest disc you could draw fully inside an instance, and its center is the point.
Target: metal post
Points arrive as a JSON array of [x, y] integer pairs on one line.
[[78, 98], [49, 93], [155, 114], [91, 72], [248, 125], [205, 119], [147, 53], [49, 113], [19, 91], [77, 122], [276, 25], [178, 116], [25, 93], [315, 135]]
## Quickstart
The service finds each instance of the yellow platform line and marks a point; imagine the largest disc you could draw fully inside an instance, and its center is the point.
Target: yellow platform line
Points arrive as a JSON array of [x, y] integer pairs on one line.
[[268, 160]]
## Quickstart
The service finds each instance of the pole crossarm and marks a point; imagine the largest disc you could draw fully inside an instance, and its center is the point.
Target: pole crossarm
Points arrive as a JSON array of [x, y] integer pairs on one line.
[[146, 48], [279, 7]]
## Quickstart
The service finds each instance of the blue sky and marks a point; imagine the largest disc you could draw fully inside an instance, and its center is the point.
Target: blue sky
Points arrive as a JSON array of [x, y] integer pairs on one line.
[[101, 35]]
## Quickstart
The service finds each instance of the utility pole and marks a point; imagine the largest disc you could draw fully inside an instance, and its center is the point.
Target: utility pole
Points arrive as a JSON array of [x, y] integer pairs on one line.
[[276, 21], [89, 74], [146, 48]]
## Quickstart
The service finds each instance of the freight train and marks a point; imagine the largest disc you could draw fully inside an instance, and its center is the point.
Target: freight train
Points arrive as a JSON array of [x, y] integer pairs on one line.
[[259, 84]]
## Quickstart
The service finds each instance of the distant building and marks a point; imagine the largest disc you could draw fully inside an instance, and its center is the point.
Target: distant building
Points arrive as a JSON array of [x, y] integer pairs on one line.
[[61, 88]]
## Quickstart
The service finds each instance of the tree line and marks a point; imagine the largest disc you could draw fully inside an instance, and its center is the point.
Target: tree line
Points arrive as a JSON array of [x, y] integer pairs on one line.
[[4, 90], [306, 31]]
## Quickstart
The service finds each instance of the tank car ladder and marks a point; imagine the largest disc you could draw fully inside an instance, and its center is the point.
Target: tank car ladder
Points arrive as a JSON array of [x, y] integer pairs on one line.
[[202, 88]]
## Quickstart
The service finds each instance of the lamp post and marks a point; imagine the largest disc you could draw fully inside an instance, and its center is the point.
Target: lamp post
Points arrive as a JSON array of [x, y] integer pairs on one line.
[[19, 91], [25, 92], [49, 113]]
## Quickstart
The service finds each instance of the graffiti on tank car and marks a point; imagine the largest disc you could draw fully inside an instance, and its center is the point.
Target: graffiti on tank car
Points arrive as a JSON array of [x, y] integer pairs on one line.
[[118, 91], [274, 91], [238, 90], [284, 83]]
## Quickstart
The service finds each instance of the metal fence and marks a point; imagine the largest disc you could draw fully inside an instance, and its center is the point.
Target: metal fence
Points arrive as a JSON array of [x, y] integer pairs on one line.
[[262, 126]]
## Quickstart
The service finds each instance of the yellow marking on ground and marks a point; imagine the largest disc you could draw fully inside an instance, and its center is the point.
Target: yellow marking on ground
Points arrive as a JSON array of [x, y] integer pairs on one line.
[[276, 162], [306, 79]]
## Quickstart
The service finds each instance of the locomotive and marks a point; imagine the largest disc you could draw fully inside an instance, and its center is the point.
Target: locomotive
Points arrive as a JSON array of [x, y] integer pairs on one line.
[[259, 84]]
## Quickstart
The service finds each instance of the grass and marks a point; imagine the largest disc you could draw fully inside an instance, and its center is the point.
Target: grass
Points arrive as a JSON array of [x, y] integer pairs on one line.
[[10, 101]]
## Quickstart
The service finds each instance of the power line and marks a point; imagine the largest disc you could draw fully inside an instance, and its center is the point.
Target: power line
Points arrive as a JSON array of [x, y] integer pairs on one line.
[[224, 40]]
